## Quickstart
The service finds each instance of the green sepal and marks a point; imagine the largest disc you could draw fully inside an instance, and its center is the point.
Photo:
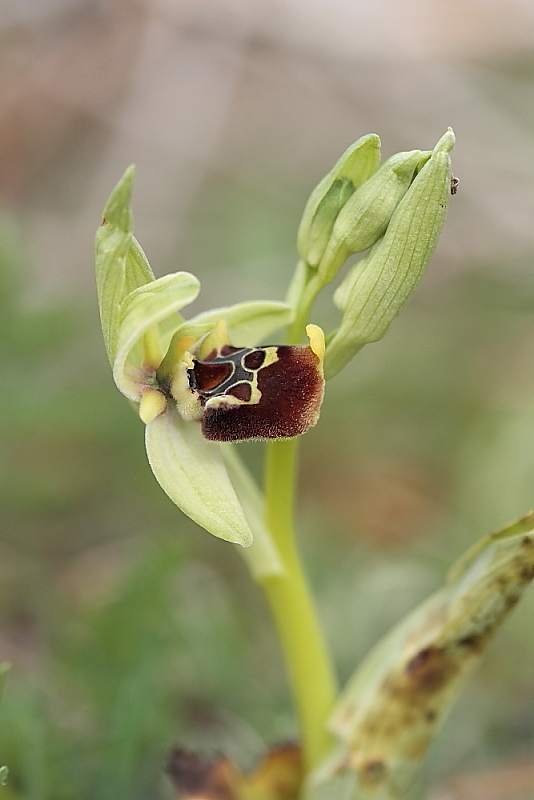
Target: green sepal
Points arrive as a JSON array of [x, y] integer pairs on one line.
[[249, 323], [392, 707], [354, 167], [113, 239], [142, 310], [138, 270], [343, 293], [120, 264], [192, 472]]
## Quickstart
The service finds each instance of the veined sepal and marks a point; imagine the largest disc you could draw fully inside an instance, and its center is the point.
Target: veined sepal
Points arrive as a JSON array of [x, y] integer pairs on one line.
[[191, 471], [366, 214]]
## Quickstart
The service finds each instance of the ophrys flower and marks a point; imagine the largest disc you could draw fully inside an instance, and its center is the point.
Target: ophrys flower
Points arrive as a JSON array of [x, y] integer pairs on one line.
[[198, 381]]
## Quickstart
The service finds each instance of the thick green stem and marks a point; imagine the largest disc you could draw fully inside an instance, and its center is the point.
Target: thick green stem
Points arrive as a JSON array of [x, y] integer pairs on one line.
[[307, 660]]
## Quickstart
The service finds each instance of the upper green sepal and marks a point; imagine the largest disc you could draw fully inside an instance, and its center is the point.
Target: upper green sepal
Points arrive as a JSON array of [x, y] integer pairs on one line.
[[117, 211], [120, 264]]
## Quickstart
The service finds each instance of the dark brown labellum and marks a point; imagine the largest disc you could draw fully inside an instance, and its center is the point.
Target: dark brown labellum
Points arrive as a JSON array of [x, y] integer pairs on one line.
[[272, 392]]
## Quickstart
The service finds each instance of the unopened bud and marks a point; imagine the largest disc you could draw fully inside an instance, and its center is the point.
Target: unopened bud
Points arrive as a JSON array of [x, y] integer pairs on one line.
[[376, 289], [366, 214], [354, 167]]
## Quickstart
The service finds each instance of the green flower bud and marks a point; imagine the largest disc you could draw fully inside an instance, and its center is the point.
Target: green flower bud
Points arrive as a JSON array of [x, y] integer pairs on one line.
[[376, 289], [365, 216], [325, 216], [354, 167]]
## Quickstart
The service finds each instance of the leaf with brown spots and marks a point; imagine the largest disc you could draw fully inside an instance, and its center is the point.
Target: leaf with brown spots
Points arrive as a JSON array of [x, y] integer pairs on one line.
[[394, 704], [278, 776]]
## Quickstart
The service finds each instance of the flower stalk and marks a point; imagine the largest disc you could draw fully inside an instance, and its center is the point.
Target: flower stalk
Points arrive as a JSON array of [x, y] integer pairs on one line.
[[308, 662]]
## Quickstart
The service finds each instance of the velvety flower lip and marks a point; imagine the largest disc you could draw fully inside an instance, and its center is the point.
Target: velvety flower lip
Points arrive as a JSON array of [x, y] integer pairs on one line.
[[271, 392]]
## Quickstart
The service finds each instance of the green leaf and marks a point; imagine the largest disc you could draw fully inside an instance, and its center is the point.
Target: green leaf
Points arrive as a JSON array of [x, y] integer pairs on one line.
[[249, 323], [191, 471], [142, 310], [394, 704]]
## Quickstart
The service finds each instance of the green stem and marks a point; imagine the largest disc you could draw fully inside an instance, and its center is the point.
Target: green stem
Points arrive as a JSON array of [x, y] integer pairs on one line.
[[302, 311], [307, 660]]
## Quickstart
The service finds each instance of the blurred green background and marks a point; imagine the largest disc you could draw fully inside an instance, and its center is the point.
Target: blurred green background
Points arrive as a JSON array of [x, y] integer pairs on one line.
[[129, 629]]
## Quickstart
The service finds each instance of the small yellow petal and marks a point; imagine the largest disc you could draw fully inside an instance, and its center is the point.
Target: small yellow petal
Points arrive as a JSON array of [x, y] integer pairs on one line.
[[214, 340], [316, 336], [151, 348], [153, 403]]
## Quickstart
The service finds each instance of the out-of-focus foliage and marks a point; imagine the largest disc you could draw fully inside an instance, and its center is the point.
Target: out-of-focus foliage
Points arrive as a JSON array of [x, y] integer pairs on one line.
[[129, 630]]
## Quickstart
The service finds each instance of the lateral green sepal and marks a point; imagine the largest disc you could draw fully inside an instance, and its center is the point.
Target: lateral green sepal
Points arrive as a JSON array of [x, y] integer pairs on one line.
[[192, 473]]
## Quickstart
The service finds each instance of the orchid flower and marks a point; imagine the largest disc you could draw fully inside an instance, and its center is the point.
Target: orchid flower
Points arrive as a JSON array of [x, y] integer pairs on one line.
[[200, 382]]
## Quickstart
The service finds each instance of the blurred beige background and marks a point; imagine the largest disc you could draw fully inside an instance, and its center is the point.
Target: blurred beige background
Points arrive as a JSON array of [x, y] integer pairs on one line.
[[260, 96]]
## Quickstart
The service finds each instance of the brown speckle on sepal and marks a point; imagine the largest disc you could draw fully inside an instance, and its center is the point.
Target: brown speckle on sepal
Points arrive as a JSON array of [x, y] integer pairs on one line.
[[290, 388], [390, 714]]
